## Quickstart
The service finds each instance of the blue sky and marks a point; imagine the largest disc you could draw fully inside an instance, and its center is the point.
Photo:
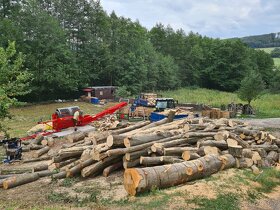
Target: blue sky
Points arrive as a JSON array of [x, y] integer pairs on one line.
[[213, 18]]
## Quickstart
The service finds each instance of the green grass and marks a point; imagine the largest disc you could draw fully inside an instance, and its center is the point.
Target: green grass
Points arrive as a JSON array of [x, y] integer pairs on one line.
[[276, 61], [268, 105]]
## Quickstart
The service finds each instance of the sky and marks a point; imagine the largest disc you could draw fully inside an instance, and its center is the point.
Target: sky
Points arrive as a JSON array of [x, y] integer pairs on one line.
[[212, 18]]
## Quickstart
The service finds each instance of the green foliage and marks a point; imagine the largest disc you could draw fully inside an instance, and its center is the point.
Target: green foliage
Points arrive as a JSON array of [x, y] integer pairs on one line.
[[14, 81], [262, 41], [123, 92], [251, 87], [275, 53]]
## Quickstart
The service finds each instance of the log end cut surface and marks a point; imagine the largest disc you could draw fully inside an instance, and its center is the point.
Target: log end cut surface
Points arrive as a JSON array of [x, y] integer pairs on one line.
[[131, 180]]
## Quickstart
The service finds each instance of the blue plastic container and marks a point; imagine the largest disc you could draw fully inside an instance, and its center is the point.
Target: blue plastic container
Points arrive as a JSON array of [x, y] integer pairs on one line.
[[156, 116], [94, 100]]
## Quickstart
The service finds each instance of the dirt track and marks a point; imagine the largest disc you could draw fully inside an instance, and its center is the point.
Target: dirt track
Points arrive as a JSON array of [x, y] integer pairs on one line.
[[266, 123]]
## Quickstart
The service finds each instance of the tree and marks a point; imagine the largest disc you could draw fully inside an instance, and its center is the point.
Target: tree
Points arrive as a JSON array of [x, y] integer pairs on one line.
[[14, 81], [251, 87], [275, 53]]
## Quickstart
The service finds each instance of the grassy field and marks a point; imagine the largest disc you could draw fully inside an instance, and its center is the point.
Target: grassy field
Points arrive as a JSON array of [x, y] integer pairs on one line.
[[268, 105], [26, 117]]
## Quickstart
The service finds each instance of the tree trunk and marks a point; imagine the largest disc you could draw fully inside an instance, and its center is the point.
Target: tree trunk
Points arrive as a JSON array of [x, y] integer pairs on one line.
[[60, 175], [37, 139], [222, 145], [97, 168], [115, 140], [46, 173], [5, 171], [78, 168], [112, 168], [156, 146], [266, 147], [40, 167], [244, 162], [130, 128], [136, 155], [40, 152], [240, 141], [131, 164], [50, 141], [188, 155], [20, 180], [162, 160], [177, 151], [37, 159], [235, 151], [72, 152], [75, 137], [64, 163], [137, 180]]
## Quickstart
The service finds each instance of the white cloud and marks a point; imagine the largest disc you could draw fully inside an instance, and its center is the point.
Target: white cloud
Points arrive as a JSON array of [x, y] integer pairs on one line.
[[215, 18]]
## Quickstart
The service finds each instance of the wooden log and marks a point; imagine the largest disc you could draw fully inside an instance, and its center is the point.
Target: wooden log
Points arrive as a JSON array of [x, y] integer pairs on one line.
[[86, 154], [46, 173], [154, 124], [187, 155], [172, 143], [177, 151], [136, 155], [70, 165], [122, 151], [108, 170], [75, 137], [50, 141], [130, 128], [209, 150], [266, 147], [5, 171], [246, 132], [20, 180], [98, 167], [37, 159], [161, 160], [137, 180], [272, 158], [115, 140], [60, 175], [38, 139], [255, 169], [221, 136], [240, 141], [78, 168], [5, 176], [25, 149], [35, 146], [40, 152], [235, 151], [277, 142], [244, 162], [219, 144], [72, 152], [247, 153], [131, 164], [142, 139], [228, 161], [232, 142], [44, 142], [64, 163], [40, 167]]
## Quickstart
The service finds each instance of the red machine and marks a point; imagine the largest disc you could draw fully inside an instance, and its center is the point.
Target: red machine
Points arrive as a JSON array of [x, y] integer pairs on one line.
[[63, 118]]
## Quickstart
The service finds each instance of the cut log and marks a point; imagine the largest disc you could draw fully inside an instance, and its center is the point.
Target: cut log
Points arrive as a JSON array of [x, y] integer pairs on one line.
[[35, 146], [221, 135], [78, 168], [86, 154], [137, 180], [98, 167], [5, 171], [40, 152], [132, 127], [187, 155], [131, 164], [232, 142], [44, 142], [244, 162], [222, 145], [37, 159], [60, 175], [64, 163], [228, 161], [247, 132], [177, 151], [70, 165], [20, 180], [136, 155], [162, 160], [38, 139], [50, 141], [209, 150], [240, 141], [75, 137], [108, 170], [122, 151], [115, 140], [72, 152], [46, 173], [272, 158], [235, 151], [156, 146], [255, 169], [266, 147], [247, 153], [40, 167]]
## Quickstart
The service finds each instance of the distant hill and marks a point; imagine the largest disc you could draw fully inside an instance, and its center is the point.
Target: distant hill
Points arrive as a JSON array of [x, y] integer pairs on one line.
[[261, 41]]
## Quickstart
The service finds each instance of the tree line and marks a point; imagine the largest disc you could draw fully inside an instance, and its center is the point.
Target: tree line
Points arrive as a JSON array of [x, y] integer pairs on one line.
[[68, 45]]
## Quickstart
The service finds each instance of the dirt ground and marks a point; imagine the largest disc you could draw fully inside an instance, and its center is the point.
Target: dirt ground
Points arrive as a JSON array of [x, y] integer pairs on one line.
[[109, 193]]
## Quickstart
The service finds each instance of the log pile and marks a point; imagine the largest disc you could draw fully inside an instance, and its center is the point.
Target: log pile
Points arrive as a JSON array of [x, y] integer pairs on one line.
[[159, 154]]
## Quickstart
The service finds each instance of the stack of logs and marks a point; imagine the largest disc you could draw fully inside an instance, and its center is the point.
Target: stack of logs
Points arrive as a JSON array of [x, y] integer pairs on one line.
[[159, 154]]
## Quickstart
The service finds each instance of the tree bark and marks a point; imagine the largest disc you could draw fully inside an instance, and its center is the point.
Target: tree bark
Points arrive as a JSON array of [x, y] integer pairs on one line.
[[108, 170], [177, 151], [137, 180], [38, 139], [20, 180], [115, 140], [235, 151], [136, 155], [188, 155], [75, 137], [59, 175], [37, 159], [130, 128], [78, 168], [161, 160], [131, 164], [266, 147], [40, 152], [240, 141], [40, 167], [222, 145]]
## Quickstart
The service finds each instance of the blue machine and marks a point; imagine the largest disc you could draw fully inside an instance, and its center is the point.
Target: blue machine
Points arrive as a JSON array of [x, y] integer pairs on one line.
[[156, 116], [13, 149]]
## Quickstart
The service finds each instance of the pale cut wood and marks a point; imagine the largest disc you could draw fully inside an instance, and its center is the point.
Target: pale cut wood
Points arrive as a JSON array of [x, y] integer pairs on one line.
[[130, 128], [209, 150], [244, 162], [78, 168], [136, 155], [75, 137], [20, 180], [40, 152], [115, 140], [219, 144], [177, 151], [161, 160], [235, 151], [44, 142], [72, 152], [159, 146], [188, 155], [255, 169], [35, 146], [37, 139], [228, 161], [231, 142], [40, 167], [240, 141], [221, 135], [50, 141]]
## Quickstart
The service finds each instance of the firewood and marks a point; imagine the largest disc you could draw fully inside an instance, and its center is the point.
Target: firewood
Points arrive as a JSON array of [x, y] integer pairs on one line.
[[255, 169], [219, 144], [50, 141], [231, 142], [161, 160], [40, 167], [188, 155], [78, 168], [86, 154], [272, 158], [35, 146], [172, 143], [37, 139], [235, 151], [266, 147], [72, 152], [44, 142], [40, 152], [20, 180], [244, 162], [98, 167], [136, 155], [209, 150], [228, 161], [221, 135], [59, 175], [45, 173], [112, 168], [76, 136], [137, 180], [6, 171], [130, 128], [177, 151], [240, 141], [131, 164], [115, 140], [70, 165], [37, 159]]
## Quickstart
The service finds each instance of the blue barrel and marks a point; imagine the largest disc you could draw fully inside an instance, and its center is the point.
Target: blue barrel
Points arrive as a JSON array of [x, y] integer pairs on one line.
[[94, 100]]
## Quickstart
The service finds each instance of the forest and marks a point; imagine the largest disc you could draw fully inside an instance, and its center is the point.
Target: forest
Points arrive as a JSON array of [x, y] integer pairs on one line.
[[68, 45]]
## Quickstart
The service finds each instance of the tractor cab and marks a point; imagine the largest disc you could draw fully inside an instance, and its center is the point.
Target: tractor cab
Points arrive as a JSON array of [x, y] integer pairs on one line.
[[165, 103]]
